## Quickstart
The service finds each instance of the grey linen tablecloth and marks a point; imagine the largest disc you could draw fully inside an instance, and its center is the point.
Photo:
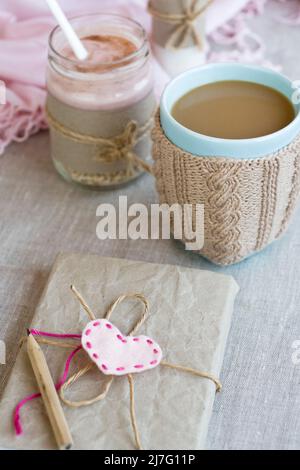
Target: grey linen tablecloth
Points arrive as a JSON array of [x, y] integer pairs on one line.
[[41, 215]]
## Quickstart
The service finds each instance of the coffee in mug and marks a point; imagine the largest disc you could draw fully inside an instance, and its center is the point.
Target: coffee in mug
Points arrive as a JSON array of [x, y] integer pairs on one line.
[[234, 110]]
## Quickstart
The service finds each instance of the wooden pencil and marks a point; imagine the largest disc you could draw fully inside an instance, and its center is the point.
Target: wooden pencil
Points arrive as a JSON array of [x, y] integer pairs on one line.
[[49, 395]]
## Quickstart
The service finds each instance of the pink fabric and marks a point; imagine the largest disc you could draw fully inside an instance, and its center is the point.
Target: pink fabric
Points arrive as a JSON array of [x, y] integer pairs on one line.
[[291, 12], [24, 30], [116, 354], [245, 45]]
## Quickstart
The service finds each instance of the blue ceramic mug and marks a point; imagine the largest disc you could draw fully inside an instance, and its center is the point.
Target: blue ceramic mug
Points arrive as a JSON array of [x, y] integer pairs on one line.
[[199, 144], [249, 187]]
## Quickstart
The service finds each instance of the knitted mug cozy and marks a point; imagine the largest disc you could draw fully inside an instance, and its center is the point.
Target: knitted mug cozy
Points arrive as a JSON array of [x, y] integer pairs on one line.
[[248, 203]]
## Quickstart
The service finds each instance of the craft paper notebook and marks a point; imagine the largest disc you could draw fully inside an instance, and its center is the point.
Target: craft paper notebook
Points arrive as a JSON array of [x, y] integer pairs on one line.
[[190, 314]]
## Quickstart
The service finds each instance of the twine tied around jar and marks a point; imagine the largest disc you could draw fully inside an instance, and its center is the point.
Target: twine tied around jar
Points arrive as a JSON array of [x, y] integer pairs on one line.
[[185, 23], [110, 150], [66, 382], [121, 148]]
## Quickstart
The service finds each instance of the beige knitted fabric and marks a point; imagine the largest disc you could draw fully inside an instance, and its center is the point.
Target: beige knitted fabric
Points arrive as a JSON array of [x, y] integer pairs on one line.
[[248, 203]]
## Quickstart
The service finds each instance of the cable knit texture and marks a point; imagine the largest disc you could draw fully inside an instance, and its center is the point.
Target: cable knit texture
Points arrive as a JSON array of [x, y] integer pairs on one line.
[[248, 203]]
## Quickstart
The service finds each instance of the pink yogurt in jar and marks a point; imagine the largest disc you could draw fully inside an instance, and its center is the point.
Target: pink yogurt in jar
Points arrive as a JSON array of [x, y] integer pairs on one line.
[[100, 110]]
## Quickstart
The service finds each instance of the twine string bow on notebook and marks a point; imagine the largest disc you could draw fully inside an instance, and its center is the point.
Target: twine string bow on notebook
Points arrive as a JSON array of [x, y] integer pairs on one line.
[[185, 24], [111, 150], [65, 383]]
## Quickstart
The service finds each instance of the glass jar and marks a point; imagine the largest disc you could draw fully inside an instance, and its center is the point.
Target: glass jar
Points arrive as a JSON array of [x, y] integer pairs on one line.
[[100, 114]]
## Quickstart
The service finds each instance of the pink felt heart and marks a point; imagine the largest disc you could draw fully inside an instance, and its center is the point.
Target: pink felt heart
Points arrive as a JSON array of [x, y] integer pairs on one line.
[[116, 354]]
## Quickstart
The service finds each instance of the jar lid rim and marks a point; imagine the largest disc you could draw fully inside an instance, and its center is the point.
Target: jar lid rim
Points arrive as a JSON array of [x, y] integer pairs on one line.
[[117, 63]]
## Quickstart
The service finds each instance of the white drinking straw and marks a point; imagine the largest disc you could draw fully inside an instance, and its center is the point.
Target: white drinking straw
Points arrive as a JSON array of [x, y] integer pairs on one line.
[[75, 43]]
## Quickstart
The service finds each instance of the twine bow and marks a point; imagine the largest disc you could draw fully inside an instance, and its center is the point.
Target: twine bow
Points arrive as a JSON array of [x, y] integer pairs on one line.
[[121, 148], [65, 383], [111, 150], [185, 24]]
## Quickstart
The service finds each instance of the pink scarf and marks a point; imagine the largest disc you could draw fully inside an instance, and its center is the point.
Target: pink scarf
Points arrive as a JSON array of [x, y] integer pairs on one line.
[[24, 30]]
